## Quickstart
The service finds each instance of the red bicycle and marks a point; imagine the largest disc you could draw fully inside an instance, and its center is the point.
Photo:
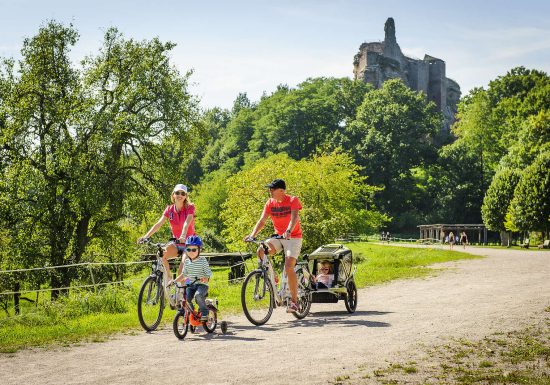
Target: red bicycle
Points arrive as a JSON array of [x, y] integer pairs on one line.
[[188, 318]]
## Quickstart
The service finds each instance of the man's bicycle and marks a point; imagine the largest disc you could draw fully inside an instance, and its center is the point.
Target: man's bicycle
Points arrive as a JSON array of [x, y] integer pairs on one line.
[[153, 294], [188, 318], [260, 293]]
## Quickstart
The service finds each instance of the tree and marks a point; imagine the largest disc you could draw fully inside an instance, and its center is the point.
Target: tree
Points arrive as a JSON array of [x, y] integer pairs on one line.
[[533, 139], [79, 142], [489, 121], [393, 133], [500, 127], [210, 195], [530, 207], [215, 121], [303, 120], [333, 194], [497, 200]]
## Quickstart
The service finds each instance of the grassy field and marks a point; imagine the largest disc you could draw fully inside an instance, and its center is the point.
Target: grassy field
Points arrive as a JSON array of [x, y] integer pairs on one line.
[[93, 316]]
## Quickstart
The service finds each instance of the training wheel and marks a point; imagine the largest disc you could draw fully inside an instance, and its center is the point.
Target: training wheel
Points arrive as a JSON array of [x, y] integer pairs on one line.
[[223, 327]]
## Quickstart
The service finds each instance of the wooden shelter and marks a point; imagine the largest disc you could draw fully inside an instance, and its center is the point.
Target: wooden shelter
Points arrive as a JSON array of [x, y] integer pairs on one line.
[[477, 233]]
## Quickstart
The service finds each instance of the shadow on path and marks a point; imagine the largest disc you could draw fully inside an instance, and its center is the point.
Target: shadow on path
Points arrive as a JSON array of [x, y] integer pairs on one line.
[[320, 319]]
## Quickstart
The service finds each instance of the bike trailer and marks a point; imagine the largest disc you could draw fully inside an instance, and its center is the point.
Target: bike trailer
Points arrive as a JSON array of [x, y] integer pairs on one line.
[[340, 259], [339, 256]]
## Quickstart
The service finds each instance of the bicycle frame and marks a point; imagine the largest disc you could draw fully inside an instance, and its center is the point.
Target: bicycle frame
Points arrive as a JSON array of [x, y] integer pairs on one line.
[[282, 294], [185, 305], [159, 271]]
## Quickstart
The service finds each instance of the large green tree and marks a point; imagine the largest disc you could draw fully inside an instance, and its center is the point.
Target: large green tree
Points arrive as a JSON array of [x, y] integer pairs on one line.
[[530, 207], [392, 135], [79, 141], [501, 126]]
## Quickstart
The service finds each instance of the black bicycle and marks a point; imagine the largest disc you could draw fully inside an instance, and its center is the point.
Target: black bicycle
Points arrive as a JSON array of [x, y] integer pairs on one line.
[[153, 294]]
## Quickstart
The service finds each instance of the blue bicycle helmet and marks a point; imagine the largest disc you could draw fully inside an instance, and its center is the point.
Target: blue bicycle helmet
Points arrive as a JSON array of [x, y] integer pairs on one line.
[[193, 240]]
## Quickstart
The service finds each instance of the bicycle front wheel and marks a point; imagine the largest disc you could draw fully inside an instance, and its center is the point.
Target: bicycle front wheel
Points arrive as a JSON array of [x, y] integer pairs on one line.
[[150, 303], [181, 324], [257, 298]]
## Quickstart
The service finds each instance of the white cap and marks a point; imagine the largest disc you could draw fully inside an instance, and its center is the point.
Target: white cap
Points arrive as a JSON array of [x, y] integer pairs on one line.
[[180, 187]]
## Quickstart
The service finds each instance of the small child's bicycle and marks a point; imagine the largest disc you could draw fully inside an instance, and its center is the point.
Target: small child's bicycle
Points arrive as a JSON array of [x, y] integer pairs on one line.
[[188, 318]]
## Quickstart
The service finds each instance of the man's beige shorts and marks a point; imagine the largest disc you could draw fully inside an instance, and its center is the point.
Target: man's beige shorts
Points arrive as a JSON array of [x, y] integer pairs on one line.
[[292, 246]]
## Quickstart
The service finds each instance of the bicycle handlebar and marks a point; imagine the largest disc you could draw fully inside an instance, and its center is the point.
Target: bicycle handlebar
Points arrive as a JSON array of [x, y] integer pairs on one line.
[[148, 241], [187, 284]]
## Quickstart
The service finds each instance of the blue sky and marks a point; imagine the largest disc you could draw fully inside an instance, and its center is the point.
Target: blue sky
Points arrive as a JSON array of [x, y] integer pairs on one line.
[[252, 46]]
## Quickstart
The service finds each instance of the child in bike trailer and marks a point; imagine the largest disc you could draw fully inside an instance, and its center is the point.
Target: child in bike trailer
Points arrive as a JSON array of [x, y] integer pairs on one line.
[[196, 267], [325, 277]]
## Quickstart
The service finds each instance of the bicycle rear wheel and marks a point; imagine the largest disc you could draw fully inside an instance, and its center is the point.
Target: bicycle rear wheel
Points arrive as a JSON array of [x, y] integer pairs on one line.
[[304, 296], [150, 303], [257, 298], [181, 324]]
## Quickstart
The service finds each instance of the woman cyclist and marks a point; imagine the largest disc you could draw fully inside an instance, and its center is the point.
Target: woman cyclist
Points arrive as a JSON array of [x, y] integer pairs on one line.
[[181, 214]]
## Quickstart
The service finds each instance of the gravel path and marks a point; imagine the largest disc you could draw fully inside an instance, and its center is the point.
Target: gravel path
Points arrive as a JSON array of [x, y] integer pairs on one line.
[[472, 299]]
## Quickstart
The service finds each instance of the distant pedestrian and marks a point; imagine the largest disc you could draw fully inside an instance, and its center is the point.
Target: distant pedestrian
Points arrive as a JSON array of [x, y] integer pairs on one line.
[[463, 239], [451, 240]]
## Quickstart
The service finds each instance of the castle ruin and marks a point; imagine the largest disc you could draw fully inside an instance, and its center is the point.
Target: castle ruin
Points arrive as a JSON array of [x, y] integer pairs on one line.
[[379, 61]]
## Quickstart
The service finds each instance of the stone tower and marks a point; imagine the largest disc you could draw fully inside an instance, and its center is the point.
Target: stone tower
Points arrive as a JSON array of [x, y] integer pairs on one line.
[[379, 61]]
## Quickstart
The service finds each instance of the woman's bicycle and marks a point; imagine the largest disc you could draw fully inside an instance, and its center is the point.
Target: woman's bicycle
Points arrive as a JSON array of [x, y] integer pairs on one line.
[[188, 318], [260, 293], [152, 294]]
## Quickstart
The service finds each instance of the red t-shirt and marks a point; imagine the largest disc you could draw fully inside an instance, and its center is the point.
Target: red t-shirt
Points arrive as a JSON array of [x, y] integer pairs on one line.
[[177, 219], [280, 214]]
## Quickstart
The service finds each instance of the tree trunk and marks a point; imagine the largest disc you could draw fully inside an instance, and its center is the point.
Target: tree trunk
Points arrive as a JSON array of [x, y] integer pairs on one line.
[[55, 282], [504, 238]]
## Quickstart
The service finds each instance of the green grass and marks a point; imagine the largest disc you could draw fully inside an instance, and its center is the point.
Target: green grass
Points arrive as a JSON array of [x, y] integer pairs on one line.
[[378, 263], [93, 316]]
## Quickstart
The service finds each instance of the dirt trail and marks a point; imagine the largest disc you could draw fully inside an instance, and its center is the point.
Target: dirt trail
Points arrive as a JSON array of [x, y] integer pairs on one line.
[[472, 299]]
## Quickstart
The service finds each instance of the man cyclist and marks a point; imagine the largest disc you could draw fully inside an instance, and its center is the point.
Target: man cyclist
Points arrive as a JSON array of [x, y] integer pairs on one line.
[[283, 210]]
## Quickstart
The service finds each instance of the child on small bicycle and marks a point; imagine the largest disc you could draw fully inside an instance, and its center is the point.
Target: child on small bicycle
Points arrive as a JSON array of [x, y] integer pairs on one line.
[[325, 277], [196, 267]]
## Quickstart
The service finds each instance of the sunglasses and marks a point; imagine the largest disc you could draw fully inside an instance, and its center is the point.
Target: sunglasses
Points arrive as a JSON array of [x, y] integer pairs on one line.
[[180, 193], [192, 249]]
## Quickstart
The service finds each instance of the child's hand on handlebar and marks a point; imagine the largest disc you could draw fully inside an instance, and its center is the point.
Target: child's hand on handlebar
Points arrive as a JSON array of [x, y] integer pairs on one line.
[[249, 238]]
